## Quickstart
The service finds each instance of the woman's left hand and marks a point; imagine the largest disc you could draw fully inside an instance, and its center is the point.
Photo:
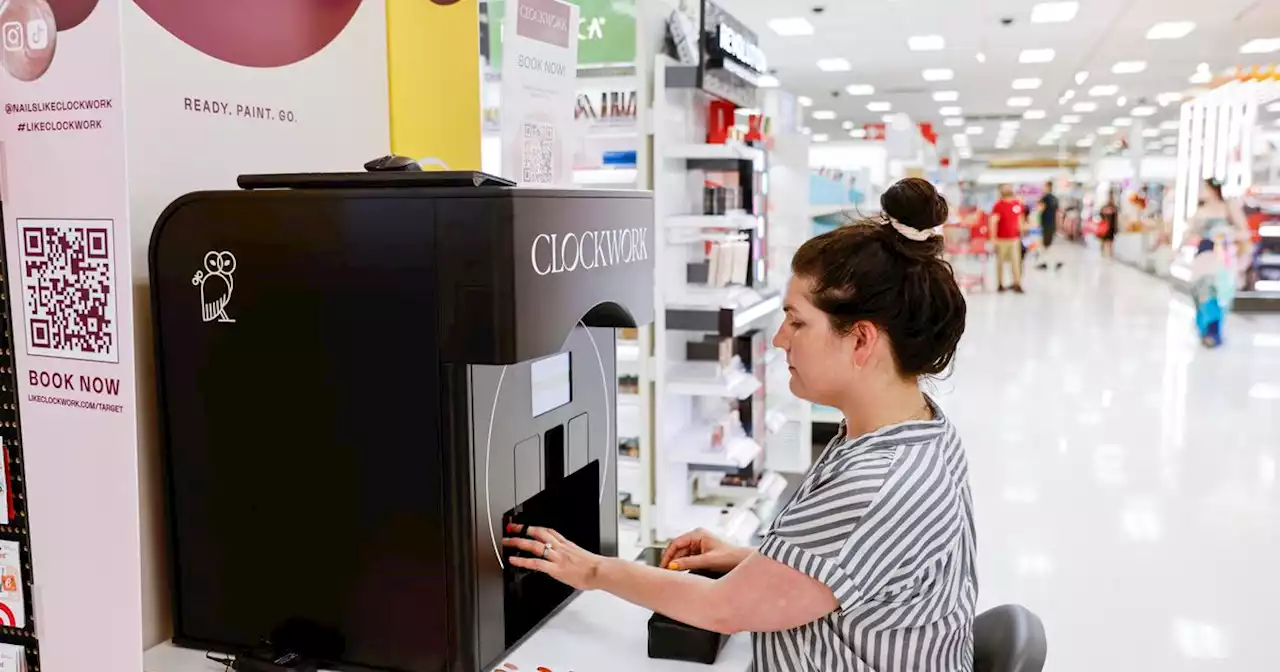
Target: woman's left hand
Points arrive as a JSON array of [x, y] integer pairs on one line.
[[555, 556]]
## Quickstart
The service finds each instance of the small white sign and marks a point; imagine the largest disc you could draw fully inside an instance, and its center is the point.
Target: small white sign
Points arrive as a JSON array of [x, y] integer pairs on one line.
[[13, 658], [539, 69], [13, 604]]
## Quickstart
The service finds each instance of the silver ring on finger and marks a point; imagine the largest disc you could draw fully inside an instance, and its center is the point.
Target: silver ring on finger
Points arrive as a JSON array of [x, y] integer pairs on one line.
[[546, 549]]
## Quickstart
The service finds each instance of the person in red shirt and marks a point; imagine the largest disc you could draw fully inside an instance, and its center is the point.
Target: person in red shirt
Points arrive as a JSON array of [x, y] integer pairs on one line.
[[1009, 218]]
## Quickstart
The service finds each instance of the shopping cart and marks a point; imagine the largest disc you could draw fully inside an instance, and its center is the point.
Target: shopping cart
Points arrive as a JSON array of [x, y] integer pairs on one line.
[[968, 251]]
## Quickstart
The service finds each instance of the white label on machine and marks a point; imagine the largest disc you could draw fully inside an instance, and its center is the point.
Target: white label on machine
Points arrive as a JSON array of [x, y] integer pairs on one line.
[[551, 384]]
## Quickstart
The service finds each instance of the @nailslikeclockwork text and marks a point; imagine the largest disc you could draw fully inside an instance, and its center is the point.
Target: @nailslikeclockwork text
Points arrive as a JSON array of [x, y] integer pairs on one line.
[[224, 108]]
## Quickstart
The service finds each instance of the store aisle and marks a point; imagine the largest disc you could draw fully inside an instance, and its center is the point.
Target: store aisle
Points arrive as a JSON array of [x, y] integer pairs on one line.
[[1124, 478]]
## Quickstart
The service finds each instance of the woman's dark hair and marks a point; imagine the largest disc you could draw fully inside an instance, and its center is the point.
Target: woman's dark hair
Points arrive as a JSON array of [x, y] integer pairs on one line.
[[871, 271], [1216, 187]]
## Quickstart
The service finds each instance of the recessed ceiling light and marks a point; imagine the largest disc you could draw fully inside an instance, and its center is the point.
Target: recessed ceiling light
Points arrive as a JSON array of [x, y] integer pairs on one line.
[[1033, 114], [834, 65], [949, 111], [1143, 111], [1103, 90], [1069, 94], [938, 74], [820, 137], [1084, 107], [946, 96], [1054, 12], [791, 26], [926, 43], [879, 106], [858, 133], [1151, 133], [953, 121], [1010, 125], [1128, 67], [767, 82], [1107, 130], [1018, 101], [1048, 142], [1061, 128], [1201, 77], [824, 115], [1027, 83], [1036, 56], [806, 130], [974, 130], [1086, 142], [860, 89], [805, 101], [960, 139], [1170, 30], [982, 58], [1081, 76], [1122, 101], [1171, 125], [889, 118], [1168, 98], [1070, 118], [1122, 121], [1262, 45], [846, 125]]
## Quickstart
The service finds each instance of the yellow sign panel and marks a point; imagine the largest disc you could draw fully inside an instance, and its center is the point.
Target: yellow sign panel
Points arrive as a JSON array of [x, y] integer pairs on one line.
[[433, 64]]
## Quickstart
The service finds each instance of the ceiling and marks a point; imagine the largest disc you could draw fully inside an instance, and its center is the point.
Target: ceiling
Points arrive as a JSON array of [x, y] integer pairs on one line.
[[873, 36]]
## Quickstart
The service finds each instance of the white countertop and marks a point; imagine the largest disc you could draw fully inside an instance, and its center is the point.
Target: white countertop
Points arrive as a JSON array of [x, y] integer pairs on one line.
[[596, 632]]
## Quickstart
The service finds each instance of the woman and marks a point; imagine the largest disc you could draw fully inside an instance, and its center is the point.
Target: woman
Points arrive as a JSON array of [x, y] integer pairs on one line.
[[1224, 223], [871, 566], [1110, 217]]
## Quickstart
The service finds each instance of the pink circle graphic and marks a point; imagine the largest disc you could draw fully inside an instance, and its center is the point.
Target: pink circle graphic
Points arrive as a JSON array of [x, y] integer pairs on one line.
[[71, 13], [253, 33], [28, 37]]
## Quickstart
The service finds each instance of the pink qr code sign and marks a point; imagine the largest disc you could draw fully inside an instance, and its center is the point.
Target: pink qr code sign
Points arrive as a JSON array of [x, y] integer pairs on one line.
[[68, 288]]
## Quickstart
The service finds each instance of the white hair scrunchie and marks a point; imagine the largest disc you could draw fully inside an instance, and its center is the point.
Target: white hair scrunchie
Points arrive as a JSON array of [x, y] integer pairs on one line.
[[913, 234]]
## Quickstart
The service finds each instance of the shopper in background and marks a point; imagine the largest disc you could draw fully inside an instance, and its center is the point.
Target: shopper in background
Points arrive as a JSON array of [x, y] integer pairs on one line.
[[871, 567], [1049, 218], [1010, 218], [1223, 222], [1207, 271], [1109, 222]]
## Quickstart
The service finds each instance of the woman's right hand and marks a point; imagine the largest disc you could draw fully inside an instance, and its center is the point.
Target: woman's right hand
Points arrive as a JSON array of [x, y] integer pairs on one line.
[[700, 549]]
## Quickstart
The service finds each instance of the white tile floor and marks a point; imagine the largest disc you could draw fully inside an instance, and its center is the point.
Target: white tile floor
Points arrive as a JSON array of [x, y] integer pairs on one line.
[[1124, 477]]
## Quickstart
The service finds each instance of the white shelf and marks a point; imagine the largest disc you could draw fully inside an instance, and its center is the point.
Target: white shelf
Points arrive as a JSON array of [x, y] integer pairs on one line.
[[735, 524], [692, 446], [705, 379], [628, 352], [734, 220], [629, 475], [709, 151]]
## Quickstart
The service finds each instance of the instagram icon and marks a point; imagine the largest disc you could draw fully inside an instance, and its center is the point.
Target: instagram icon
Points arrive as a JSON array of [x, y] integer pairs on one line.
[[28, 34]]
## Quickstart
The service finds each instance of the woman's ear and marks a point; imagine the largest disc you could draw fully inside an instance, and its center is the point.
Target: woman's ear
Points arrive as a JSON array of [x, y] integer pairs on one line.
[[864, 336]]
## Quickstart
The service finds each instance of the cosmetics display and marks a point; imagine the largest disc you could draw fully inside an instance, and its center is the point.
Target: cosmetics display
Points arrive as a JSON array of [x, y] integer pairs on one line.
[[19, 649], [363, 380]]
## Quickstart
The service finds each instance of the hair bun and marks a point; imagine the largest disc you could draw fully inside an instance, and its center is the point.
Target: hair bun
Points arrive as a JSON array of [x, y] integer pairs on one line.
[[915, 203]]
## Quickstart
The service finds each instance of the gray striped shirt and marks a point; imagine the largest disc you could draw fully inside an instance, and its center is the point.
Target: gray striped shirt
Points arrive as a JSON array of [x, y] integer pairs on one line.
[[886, 521]]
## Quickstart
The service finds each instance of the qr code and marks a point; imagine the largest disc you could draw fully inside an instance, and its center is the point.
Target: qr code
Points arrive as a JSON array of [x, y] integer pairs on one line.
[[538, 154], [68, 288]]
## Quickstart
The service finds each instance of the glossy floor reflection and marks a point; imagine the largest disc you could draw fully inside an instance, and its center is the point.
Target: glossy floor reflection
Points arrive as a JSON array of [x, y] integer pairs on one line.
[[1124, 477]]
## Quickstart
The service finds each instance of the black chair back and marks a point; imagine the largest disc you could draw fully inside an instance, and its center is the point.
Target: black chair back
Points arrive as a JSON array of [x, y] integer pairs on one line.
[[1008, 638]]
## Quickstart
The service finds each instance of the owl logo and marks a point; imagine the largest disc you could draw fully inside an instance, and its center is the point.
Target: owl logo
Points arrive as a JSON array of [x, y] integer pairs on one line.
[[216, 285]]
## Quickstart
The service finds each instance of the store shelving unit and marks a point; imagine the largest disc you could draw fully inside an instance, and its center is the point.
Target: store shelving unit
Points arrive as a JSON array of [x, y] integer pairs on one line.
[[708, 470], [17, 623]]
